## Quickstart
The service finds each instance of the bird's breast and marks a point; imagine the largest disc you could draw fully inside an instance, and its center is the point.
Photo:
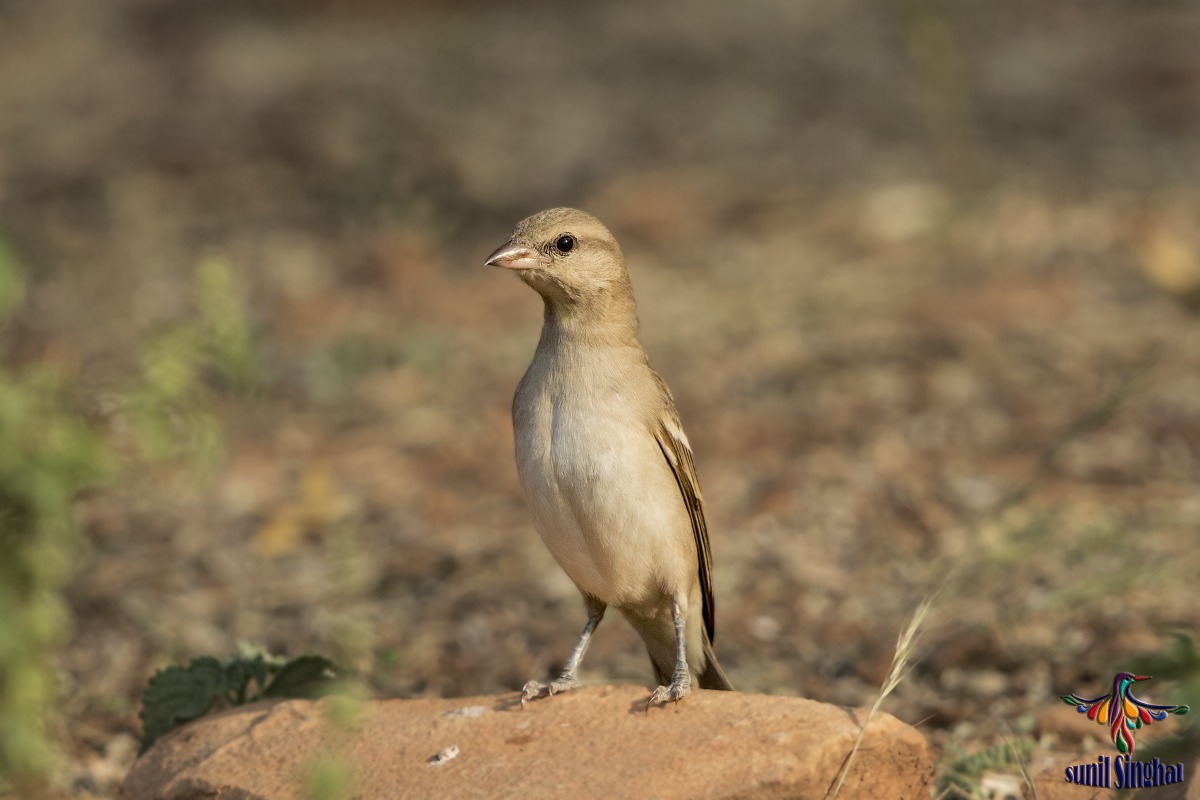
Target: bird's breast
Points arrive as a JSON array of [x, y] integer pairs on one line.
[[599, 489]]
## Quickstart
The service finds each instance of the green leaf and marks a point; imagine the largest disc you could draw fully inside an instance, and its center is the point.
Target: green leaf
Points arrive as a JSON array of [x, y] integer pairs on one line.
[[180, 694], [240, 671], [305, 676], [260, 670]]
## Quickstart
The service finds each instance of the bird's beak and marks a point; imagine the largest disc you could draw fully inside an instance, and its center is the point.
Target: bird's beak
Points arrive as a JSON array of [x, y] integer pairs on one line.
[[511, 255], [1141, 677]]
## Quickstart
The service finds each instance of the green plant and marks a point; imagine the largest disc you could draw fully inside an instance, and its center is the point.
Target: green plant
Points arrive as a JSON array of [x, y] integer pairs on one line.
[[328, 778], [961, 778], [180, 694], [47, 456], [169, 409]]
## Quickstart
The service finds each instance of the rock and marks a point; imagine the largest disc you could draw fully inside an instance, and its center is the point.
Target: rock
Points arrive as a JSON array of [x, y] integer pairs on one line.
[[593, 742]]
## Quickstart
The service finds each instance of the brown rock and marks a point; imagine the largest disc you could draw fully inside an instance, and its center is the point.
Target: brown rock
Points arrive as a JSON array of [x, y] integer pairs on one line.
[[595, 742]]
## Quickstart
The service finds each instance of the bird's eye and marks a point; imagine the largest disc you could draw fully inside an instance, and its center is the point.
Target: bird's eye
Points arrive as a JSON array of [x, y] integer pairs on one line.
[[565, 243]]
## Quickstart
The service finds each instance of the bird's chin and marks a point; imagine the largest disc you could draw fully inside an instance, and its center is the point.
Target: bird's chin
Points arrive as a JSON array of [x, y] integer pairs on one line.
[[544, 284], [538, 281], [534, 278]]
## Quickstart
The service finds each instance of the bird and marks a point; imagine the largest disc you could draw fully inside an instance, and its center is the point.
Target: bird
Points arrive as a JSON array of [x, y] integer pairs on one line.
[[1121, 711], [603, 460]]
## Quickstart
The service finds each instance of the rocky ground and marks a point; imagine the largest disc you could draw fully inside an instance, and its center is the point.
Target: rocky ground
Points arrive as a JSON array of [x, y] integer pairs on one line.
[[922, 278]]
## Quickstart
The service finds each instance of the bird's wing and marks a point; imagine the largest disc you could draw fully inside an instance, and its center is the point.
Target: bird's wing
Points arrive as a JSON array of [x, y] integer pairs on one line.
[[1082, 704], [674, 445], [1169, 709]]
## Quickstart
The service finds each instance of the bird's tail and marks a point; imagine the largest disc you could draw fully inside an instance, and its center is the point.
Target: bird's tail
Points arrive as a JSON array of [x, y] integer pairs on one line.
[[658, 633], [713, 677]]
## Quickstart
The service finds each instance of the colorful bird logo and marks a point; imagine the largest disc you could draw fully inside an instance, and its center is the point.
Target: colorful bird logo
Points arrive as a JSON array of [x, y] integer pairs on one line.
[[1121, 711]]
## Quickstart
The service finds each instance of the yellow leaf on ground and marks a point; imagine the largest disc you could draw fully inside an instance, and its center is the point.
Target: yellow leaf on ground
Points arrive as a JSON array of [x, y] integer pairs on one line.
[[280, 534]]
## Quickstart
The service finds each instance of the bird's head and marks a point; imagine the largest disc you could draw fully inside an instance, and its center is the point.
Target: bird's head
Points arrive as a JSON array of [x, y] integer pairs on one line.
[[1125, 679], [568, 256]]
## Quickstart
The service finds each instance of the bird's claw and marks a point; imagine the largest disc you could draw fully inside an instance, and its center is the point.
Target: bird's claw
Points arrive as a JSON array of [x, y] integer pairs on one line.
[[536, 689], [681, 686]]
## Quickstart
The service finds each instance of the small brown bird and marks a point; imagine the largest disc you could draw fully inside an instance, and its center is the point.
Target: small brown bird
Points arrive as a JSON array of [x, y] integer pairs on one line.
[[602, 456]]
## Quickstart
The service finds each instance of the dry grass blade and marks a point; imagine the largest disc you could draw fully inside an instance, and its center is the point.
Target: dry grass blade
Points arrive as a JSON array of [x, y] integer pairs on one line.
[[902, 662], [1022, 762]]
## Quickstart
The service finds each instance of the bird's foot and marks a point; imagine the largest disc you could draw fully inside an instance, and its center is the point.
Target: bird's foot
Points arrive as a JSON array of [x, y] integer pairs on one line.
[[681, 685], [536, 689]]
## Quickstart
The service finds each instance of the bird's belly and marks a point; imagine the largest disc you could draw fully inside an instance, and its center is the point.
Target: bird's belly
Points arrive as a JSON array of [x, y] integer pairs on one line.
[[604, 503]]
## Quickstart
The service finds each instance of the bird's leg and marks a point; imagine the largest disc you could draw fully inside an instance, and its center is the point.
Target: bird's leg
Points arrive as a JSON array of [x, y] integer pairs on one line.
[[567, 678], [681, 680]]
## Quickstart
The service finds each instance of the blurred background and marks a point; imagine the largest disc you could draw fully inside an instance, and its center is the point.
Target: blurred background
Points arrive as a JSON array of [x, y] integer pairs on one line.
[[923, 277]]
